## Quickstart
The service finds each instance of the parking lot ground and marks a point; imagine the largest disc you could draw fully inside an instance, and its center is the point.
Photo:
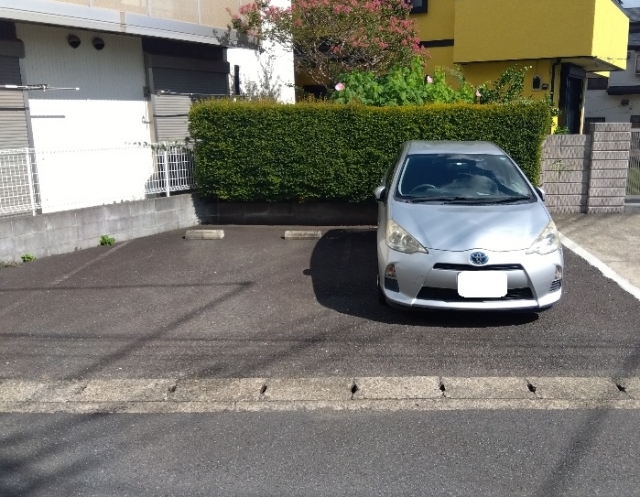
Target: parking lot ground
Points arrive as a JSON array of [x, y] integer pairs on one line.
[[256, 305], [612, 238]]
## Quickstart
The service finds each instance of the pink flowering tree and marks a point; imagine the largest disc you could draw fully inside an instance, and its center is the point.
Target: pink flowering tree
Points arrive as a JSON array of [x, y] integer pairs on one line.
[[334, 37]]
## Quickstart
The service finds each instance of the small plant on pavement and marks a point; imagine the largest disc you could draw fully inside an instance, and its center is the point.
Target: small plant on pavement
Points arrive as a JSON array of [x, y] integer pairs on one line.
[[107, 240], [28, 257]]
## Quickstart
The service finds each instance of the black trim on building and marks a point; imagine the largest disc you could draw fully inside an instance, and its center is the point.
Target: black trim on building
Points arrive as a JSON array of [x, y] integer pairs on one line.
[[436, 43], [7, 30], [624, 90]]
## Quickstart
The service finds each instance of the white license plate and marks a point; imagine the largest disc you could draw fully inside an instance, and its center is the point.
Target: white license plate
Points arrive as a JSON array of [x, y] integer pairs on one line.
[[482, 284]]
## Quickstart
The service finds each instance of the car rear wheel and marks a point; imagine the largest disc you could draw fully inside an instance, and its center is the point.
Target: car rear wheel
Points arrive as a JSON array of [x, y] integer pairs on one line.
[[381, 298]]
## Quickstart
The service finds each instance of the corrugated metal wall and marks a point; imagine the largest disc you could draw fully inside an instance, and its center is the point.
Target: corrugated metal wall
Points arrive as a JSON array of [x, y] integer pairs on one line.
[[171, 111], [171, 116], [13, 115]]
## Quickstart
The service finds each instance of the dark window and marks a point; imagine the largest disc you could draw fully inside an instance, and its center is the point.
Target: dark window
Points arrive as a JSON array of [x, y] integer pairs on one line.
[[597, 83], [589, 121], [537, 83], [635, 121], [419, 6], [7, 30]]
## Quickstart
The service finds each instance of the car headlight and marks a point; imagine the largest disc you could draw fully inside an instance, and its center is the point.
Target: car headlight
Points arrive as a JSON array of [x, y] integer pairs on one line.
[[398, 239], [548, 241]]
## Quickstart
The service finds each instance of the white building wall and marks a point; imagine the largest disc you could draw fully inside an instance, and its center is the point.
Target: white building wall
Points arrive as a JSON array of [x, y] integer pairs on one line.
[[600, 104], [108, 112], [271, 69]]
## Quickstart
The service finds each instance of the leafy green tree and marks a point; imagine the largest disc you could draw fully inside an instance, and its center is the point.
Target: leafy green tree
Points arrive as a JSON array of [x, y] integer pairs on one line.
[[332, 37]]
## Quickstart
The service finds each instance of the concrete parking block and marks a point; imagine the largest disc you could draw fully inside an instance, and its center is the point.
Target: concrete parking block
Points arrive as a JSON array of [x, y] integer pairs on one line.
[[218, 390], [576, 388], [291, 389], [302, 235], [412, 387], [204, 234], [486, 388]]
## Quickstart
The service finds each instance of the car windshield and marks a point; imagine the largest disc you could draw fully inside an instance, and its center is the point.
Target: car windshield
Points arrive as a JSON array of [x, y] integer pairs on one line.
[[460, 178]]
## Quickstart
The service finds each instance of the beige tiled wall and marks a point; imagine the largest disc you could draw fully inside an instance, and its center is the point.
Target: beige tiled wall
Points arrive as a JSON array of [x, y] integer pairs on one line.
[[212, 13]]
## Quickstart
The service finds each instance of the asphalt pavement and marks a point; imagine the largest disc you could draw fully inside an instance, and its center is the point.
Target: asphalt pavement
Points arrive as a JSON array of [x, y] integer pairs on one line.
[[256, 305], [458, 453], [253, 305]]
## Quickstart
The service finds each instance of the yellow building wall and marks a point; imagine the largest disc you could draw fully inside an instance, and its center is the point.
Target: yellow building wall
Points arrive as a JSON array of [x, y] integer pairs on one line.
[[439, 57], [610, 34], [438, 23], [491, 30], [483, 72]]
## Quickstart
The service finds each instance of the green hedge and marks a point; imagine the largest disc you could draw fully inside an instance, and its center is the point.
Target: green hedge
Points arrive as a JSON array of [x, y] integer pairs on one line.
[[249, 151]]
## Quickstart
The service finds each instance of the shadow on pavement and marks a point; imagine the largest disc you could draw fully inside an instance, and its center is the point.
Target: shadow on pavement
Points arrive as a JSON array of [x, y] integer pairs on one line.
[[343, 271]]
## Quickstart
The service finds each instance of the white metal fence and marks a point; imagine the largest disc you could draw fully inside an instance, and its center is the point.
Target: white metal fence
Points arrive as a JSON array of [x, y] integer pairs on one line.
[[34, 181]]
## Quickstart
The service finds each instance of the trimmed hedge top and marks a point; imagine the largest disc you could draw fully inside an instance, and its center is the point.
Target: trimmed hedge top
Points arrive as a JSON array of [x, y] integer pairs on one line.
[[256, 151]]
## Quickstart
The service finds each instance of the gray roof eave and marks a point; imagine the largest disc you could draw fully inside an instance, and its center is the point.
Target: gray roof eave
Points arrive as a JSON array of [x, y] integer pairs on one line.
[[82, 17]]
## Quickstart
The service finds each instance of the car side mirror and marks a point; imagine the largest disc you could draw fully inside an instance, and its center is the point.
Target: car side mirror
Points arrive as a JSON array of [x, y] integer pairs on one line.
[[380, 193], [541, 193]]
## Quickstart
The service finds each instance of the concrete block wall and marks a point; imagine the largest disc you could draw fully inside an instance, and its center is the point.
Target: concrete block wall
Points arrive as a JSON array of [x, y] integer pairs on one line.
[[609, 167], [565, 172], [587, 173], [63, 232]]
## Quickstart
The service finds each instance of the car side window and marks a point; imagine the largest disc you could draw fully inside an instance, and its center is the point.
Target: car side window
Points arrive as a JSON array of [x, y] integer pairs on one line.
[[388, 177]]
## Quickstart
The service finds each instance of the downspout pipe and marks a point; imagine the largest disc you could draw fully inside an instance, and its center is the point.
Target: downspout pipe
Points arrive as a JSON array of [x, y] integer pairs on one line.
[[553, 80]]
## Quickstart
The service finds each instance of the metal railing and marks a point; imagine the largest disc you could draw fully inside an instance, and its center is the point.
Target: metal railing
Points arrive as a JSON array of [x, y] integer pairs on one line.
[[633, 179], [212, 13], [33, 181]]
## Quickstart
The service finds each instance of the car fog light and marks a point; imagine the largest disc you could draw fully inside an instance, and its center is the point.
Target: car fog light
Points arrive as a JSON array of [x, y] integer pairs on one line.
[[558, 275], [390, 272]]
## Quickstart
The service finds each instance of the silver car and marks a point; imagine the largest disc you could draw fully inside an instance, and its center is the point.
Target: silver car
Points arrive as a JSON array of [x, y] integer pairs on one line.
[[461, 227]]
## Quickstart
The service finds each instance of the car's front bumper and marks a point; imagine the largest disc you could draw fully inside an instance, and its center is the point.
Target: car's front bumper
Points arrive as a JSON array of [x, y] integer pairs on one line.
[[531, 279]]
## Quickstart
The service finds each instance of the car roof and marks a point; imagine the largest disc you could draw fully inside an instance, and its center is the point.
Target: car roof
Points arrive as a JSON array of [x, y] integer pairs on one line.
[[453, 147]]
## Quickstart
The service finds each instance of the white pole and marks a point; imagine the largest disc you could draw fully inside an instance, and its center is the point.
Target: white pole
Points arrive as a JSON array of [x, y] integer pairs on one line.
[[165, 154], [27, 152]]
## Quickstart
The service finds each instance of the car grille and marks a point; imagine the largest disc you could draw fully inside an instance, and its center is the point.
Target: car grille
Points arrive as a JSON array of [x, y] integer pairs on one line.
[[469, 267], [555, 286], [451, 295]]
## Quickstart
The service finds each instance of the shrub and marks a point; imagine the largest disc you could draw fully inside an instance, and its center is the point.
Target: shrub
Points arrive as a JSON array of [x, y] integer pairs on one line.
[[106, 240], [257, 151], [403, 85]]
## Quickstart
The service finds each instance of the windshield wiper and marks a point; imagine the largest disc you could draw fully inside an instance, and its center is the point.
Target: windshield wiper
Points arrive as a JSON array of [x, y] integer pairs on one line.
[[509, 199], [418, 200]]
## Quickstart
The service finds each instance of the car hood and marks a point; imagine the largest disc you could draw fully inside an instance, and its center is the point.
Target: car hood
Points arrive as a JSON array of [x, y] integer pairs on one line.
[[498, 228]]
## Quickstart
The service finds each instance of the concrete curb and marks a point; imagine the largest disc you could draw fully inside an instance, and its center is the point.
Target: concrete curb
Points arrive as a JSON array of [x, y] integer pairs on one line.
[[339, 393]]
